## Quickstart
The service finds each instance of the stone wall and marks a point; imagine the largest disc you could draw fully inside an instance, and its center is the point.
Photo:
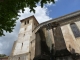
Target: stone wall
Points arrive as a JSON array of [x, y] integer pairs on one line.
[[3, 58], [70, 40], [20, 57], [22, 44], [52, 40], [63, 39], [24, 47]]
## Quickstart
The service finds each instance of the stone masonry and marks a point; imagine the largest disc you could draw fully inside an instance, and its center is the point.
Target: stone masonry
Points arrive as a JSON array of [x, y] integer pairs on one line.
[[56, 39]]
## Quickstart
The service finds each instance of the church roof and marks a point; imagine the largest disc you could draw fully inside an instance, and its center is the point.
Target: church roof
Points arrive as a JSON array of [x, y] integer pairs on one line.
[[29, 18], [62, 19]]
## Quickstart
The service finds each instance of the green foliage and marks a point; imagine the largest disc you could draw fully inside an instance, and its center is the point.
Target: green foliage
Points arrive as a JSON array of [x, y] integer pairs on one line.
[[2, 55], [9, 10]]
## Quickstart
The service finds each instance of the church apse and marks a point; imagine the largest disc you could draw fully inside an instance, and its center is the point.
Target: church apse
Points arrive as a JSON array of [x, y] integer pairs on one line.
[[52, 42]]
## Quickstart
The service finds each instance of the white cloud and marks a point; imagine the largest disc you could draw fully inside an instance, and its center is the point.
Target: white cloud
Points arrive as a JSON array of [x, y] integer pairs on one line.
[[40, 13], [56, 0], [6, 42], [51, 3]]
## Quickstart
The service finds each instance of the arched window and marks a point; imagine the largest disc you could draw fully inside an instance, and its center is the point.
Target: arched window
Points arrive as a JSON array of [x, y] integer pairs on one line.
[[75, 30]]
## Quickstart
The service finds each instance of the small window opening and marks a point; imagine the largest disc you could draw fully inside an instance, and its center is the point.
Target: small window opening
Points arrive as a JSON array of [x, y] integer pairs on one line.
[[25, 23], [19, 58], [24, 34], [22, 46], [28, 22], [75, 30]]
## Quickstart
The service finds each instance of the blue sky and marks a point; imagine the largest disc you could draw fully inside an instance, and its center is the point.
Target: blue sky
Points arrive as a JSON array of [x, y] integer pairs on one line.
[[63, 7], [50, 11]]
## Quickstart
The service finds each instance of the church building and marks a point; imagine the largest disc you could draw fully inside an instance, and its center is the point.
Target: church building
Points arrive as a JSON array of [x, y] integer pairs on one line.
[[56, 39]]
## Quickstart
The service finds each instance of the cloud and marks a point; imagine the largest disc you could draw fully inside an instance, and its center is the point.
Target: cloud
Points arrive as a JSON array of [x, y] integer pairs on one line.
[[56, 0], [6, 42], [51, 3], [40, 12]]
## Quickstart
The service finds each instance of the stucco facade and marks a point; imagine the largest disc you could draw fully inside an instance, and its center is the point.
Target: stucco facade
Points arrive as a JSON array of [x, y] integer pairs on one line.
[[56, 39]]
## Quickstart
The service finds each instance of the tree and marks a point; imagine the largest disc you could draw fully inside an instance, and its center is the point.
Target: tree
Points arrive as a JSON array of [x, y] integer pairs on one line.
[[2, 55], [9, 10]]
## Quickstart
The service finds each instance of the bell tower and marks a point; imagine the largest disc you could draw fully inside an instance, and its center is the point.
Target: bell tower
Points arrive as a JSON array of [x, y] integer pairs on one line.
[[23, 46]]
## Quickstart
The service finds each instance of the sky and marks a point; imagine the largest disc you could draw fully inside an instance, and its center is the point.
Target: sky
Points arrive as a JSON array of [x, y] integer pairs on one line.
[[49, 11]]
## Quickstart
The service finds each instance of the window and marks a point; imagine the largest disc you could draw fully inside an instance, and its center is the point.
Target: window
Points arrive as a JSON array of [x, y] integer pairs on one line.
[[75, 30], [25, 23], [22, 46], [19, 58], [24, 34], [28, 22]]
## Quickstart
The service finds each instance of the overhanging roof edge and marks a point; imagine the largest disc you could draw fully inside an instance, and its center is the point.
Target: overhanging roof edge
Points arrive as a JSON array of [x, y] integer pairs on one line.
[[57, 20]]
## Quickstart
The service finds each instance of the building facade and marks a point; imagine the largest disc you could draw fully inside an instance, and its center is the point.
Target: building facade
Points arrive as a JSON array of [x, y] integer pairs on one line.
[[56, 39]]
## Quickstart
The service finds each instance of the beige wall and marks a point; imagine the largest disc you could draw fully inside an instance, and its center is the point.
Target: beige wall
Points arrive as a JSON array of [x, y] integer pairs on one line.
[[49, 37], [59, 39], [20, 57], [38, 44], [78, 25], [25, 37], [70, 40]]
